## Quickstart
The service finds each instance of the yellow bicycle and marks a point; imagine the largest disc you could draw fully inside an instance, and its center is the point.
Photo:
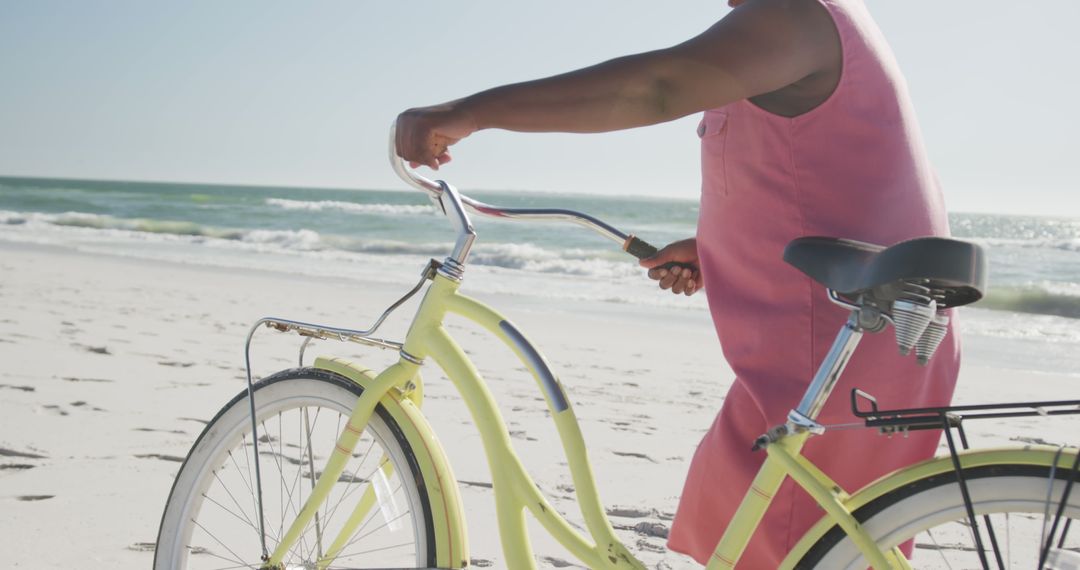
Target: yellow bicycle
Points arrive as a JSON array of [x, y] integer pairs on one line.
[[334, 466]]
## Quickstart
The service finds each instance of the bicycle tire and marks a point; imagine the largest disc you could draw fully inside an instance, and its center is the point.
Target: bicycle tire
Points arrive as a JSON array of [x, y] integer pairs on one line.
[[217, 474], [931, 510]]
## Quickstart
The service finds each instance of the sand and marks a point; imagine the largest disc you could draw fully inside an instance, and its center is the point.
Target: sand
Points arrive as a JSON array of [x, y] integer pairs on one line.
[[112, 366]]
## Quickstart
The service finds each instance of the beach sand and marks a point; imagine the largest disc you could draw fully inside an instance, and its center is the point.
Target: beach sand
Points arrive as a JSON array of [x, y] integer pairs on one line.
[[111, 367]]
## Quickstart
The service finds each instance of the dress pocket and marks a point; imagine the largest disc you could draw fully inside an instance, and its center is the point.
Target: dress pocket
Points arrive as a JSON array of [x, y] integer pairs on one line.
[[713, 132]]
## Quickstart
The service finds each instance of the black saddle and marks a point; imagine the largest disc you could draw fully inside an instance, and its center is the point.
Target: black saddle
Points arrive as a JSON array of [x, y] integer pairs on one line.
[[953, 270]]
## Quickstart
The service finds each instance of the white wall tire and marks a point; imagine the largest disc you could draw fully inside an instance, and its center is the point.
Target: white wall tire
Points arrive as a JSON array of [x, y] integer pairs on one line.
[[211, 521], [931, 511]]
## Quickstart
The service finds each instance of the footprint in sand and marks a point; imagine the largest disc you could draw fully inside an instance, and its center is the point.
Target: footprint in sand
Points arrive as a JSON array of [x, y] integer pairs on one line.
[[558, 562], [83, 404], [160, 456], [21, 388], [634, 455], [52, 409], [24, 454], [645, 545], [15, 467], [74, 379], [176, 364], [480, 484], [175, 431], [33, 497], [1034, 441], [150, 547], [521, 434], [94, 349], [652, 529], [629, 512]]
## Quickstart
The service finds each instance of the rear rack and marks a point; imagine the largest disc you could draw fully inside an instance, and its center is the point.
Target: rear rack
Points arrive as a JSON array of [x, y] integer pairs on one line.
[[891, 421], [948, 418]]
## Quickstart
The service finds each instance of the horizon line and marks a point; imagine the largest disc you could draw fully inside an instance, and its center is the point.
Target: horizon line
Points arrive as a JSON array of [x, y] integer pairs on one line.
[[408, 190], [334, 188]]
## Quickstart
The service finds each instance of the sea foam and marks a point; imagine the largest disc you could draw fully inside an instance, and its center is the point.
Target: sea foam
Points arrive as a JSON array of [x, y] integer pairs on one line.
[[351, 207]]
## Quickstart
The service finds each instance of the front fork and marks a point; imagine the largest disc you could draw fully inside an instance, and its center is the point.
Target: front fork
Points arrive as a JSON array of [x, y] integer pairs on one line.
[[394, 376]]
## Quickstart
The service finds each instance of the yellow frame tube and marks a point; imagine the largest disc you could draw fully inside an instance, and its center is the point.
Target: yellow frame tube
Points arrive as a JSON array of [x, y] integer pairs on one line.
[[829, 495], [784, 460], [568, 428], [396, 375], [515, 489], [752, 508]]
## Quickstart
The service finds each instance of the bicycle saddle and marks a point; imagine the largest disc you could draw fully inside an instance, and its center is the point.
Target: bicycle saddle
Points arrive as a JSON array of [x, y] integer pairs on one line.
[[954, 270]]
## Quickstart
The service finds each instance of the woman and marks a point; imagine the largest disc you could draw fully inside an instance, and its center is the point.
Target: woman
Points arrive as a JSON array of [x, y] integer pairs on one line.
[[808, 130]]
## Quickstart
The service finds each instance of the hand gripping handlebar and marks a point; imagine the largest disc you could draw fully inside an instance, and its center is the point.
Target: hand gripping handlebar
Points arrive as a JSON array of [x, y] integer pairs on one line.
[[456, 207]]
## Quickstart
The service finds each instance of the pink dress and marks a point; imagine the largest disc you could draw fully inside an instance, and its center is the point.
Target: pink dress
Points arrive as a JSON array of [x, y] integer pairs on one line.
[[854, 167]]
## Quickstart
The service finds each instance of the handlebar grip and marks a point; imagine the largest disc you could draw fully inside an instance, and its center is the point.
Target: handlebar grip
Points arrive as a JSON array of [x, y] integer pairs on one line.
[[641, 249]]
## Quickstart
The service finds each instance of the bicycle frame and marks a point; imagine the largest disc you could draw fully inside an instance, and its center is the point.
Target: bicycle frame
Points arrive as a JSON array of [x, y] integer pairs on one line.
[[515, 490], [399, 389]]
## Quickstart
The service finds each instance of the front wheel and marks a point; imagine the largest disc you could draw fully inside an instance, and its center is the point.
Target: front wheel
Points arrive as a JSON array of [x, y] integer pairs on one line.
[[1020, 501], [212, 518]]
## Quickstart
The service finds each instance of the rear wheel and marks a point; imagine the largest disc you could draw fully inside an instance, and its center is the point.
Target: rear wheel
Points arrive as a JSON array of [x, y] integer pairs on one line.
[[211, 519], [1021, 502]]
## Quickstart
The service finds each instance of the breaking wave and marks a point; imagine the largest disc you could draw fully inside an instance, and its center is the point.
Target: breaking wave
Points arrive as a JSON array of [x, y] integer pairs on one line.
[[1038, 300], [351, 207], [516, 256], [1019, 290]]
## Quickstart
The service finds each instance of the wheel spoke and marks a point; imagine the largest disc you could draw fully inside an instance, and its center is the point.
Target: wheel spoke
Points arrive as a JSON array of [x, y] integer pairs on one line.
[[311, 466], [278, 458], [223, 545], [243, 514], [244, 519], [937, 546], [363, 536], [372, 550]]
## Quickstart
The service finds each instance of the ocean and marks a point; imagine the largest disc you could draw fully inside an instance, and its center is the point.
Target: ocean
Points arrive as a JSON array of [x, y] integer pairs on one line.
[[1030, 319]]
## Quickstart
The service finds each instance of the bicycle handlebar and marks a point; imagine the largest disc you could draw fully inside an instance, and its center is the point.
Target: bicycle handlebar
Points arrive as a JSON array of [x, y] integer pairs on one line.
[[439, 190]]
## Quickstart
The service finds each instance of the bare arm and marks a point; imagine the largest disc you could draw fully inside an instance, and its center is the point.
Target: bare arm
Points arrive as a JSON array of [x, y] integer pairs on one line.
[[759, 47]]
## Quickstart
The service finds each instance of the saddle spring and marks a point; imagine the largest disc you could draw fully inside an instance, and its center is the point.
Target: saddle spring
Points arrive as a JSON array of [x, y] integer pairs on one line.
[[917, 322]]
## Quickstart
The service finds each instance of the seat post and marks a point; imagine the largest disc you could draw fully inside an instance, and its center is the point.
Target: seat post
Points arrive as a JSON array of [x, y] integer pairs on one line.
[[805, 415]]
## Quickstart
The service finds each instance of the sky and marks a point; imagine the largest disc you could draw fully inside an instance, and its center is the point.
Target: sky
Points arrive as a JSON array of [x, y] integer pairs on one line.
[[303, 93]]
